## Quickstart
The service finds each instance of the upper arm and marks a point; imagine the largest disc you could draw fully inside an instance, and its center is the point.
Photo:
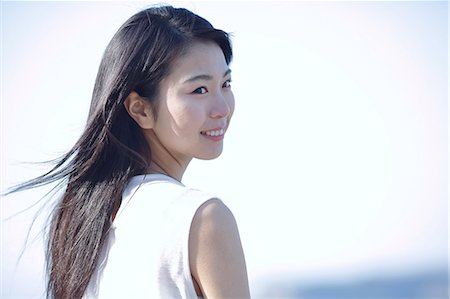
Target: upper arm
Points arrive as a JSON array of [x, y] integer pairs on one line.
[[216, 257]]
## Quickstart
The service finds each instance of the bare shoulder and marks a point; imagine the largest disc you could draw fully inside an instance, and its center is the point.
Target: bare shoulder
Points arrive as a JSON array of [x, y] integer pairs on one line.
[[214, 225], [215, 252], [216, 214]]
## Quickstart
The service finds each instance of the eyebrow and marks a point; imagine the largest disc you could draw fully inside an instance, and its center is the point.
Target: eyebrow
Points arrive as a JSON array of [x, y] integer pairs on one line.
[[205, 77]]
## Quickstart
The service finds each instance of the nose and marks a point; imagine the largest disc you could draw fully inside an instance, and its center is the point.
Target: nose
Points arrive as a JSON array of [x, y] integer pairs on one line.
[[223, 105]]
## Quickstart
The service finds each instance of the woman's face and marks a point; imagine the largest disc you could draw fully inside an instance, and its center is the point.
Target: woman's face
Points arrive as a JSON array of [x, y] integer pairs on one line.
[[195, 104]]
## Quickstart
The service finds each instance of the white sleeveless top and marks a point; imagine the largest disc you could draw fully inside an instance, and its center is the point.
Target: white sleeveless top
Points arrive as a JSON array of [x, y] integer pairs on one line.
[[146, 252]]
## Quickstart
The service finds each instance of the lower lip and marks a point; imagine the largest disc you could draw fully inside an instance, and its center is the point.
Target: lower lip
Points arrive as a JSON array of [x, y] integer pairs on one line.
[[213, 138]]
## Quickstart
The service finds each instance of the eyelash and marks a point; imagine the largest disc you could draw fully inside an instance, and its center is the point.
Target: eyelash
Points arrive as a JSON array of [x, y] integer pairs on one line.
[[199, 90], [226, 84]]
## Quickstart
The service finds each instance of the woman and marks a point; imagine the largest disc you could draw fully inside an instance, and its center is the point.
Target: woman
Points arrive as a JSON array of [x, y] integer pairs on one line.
[[125, 226]]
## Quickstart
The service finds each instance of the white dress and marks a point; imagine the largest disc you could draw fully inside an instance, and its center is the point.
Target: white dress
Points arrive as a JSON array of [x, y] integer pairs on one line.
[[146, 252]]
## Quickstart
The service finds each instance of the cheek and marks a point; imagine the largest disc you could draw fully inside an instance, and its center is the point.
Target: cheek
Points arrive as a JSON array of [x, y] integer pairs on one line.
[[184, 114]]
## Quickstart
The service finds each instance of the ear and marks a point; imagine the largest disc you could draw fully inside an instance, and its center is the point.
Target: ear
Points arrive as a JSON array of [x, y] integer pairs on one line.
[[140, 110]]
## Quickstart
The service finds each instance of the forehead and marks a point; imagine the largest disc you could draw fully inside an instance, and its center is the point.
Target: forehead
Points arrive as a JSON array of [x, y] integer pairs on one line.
[[200, 58]]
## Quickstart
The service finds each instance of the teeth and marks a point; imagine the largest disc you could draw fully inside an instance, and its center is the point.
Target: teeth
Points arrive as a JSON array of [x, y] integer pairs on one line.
[[214, 132]]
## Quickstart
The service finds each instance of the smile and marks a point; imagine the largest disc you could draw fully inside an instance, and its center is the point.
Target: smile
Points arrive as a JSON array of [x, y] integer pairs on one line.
[[213, 133]]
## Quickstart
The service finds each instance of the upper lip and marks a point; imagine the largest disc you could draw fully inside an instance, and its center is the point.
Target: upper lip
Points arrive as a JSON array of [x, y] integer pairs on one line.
[[215, 129]]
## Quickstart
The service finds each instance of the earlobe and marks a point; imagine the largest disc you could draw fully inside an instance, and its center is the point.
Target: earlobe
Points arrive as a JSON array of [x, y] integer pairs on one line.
[[140, 110]]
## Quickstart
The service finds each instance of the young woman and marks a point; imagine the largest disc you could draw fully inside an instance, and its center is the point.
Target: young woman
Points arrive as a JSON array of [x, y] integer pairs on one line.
[[126, 227]]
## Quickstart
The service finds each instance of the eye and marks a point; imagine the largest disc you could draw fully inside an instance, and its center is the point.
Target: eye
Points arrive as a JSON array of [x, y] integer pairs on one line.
[[227, 84], [200, 90]]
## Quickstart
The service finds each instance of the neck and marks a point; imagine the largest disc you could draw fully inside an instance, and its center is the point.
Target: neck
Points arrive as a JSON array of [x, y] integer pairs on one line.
[[163, 161]]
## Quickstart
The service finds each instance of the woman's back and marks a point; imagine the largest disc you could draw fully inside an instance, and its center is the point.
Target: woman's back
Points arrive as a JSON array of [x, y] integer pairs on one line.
[[146, 252]]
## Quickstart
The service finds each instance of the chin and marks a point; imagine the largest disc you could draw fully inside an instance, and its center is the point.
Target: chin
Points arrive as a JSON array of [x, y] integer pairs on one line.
[[210, 155]]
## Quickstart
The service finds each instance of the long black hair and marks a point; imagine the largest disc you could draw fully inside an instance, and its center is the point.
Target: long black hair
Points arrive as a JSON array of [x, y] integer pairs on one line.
[[112, 147]]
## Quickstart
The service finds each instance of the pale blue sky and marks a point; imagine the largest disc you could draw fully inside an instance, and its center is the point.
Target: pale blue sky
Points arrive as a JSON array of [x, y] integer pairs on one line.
[[336, 160]]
